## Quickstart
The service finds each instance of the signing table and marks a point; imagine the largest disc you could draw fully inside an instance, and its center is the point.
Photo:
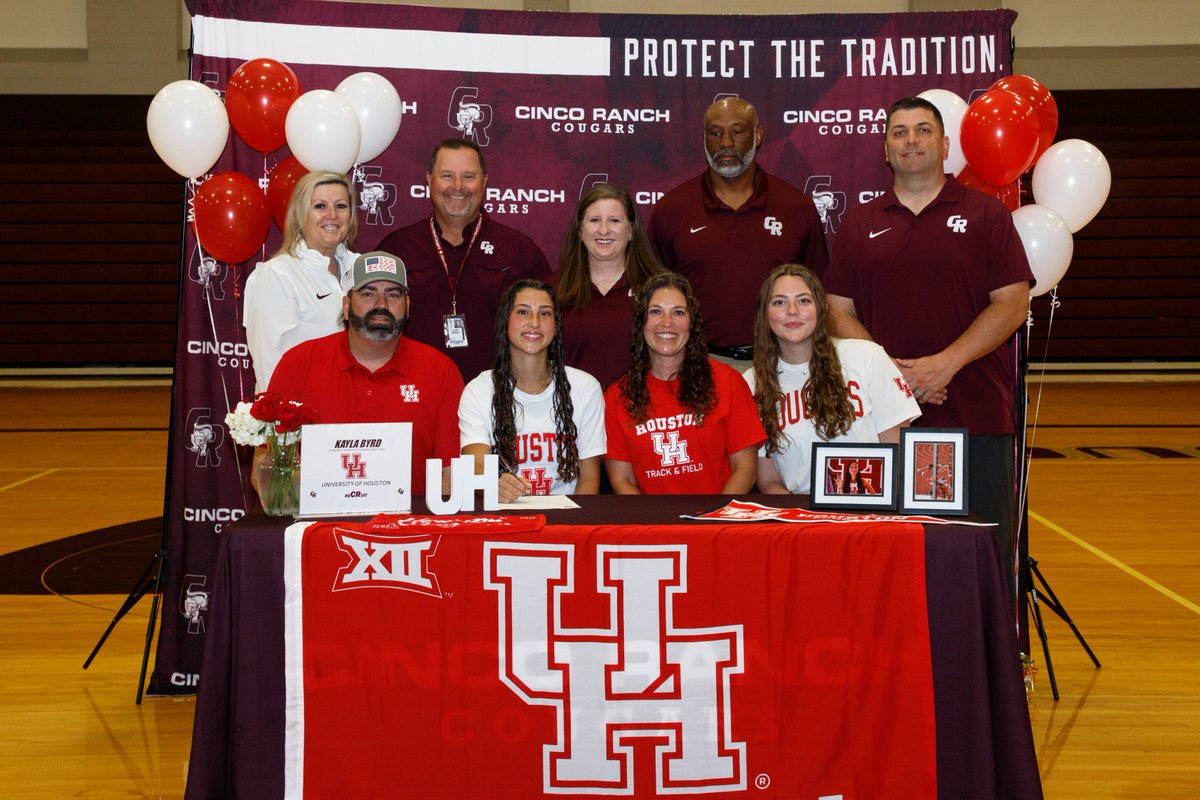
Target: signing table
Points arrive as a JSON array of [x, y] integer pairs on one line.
[[613, 650]]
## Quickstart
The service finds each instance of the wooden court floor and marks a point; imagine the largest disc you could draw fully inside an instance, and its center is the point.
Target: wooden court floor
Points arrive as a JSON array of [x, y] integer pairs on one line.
[[1114, 513]]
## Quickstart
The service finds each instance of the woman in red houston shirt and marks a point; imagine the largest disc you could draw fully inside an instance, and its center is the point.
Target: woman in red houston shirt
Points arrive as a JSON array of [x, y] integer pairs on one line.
[[678, 422]]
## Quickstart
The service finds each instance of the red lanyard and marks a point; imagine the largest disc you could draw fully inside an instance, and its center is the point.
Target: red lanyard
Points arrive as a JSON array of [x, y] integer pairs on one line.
[[437, 245]]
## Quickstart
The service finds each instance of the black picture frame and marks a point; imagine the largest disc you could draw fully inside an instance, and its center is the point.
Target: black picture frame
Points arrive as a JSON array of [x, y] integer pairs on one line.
[[854, 476]]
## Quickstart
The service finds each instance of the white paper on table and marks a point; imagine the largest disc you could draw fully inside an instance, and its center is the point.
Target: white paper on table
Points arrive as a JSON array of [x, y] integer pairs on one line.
[[540, 503]]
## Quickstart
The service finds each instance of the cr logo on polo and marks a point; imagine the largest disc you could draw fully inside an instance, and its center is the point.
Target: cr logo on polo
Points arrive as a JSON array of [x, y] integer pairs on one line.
[[641, 677]]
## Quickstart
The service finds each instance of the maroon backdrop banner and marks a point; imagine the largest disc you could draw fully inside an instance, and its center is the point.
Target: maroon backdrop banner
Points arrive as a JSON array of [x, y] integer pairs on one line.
[[557, 102]]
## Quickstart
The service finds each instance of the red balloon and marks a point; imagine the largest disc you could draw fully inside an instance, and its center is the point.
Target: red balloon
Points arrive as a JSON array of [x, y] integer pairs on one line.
[[232, 219], [999, 136], [1009, 194], [257, 100], [283, 177], [1043, 104]]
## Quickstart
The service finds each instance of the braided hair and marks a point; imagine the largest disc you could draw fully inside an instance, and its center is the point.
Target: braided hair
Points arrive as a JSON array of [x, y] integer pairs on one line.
[[504, 383]]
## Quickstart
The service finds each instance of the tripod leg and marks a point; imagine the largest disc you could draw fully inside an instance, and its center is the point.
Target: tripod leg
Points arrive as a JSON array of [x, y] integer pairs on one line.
[[157, 596], [1041, 629], [140, 588], [1054, 603]]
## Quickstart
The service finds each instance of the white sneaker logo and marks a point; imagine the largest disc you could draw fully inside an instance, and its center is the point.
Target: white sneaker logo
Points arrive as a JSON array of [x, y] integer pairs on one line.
[[697, 230], [873, 234]]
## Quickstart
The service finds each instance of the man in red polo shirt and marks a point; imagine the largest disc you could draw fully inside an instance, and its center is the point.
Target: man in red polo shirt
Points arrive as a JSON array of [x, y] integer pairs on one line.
[[727, 228], [371, 372], [936, 274]]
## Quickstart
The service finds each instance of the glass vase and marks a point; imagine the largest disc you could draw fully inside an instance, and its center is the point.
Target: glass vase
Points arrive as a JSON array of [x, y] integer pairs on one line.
[[279, 475]]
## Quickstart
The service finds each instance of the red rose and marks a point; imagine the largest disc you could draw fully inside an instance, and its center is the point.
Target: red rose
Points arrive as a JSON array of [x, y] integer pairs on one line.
[[266, 406], [308, 415], [290, 415]]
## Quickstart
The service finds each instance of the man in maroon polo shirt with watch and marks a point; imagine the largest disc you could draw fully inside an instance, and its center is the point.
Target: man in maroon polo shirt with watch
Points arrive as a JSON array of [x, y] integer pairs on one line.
[[935, 273], [727, 228], [460, 260], [372, 372]]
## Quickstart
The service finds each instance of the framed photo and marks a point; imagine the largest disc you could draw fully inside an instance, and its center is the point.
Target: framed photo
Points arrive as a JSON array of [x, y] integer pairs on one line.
[[854, 476], [934, 471]]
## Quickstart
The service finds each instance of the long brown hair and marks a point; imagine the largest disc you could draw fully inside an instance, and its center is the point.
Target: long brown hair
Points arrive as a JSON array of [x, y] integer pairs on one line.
[[504, 382], [827, 400], [574, 278], [697, 392]]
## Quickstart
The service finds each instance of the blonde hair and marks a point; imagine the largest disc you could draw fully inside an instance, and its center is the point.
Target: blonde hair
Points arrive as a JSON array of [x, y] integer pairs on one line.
[[297, 210]]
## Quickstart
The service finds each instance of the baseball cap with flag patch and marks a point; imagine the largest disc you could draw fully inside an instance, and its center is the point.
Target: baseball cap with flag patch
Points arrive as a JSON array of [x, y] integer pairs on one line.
[[378, 266]]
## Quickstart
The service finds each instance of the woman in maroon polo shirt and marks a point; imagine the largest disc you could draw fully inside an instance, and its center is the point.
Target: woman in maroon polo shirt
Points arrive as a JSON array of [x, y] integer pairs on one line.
[[606, 260]]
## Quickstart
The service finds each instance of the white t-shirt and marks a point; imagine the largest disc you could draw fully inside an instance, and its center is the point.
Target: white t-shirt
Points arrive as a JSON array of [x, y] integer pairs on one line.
[[537, 435], [289, 300], [878, 393]]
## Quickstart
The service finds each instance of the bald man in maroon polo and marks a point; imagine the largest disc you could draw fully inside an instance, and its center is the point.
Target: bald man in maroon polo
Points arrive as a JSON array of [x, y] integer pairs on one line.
[[727, 228]]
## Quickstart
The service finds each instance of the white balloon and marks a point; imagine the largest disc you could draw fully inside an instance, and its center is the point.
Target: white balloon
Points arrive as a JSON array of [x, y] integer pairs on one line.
[[952, 107], [1048, 245], [1073, 178], [377, 104], [322, 131], [188, 127]]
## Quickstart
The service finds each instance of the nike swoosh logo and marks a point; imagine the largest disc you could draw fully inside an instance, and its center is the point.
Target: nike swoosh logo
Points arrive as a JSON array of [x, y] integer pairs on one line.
[[873, 234], [697, 230], [323, 296]]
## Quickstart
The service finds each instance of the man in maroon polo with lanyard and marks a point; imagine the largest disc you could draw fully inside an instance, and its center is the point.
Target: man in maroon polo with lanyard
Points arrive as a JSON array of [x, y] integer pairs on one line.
[[726, 229], [460, 260]]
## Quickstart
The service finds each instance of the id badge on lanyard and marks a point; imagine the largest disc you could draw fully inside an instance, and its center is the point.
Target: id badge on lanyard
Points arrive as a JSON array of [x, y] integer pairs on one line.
[[454, 328], [454, 324]]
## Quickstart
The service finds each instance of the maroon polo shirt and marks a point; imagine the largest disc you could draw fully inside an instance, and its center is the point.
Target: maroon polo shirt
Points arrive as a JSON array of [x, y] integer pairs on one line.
[[919, 280], [418, 385], [727, 253], [596, 339], [500, 257]]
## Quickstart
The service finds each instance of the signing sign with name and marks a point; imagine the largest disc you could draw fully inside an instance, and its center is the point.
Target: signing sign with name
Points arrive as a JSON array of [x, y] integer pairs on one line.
[[356, 469]]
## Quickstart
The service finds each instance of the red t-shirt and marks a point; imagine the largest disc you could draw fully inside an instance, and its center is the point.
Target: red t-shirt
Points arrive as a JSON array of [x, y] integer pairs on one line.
[[728, 253], [418, 385], [670, 454]]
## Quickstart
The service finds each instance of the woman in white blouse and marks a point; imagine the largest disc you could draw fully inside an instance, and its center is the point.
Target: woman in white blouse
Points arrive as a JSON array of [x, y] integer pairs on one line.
[[297, 295]]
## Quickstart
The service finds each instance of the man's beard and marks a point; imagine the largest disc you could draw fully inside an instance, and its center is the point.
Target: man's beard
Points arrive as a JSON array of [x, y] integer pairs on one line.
[[378, 325], [732, 170]]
